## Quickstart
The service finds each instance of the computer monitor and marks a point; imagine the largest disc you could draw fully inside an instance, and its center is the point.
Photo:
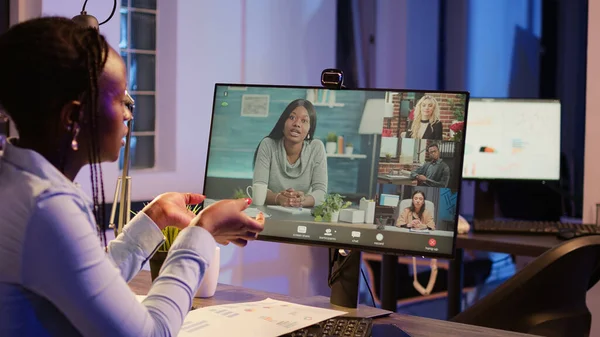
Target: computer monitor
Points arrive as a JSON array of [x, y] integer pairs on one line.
[[345, 169], [513, 139]]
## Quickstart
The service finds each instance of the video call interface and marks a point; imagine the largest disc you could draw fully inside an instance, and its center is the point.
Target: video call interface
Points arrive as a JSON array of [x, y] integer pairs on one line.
[[513, 139], [363, 169]]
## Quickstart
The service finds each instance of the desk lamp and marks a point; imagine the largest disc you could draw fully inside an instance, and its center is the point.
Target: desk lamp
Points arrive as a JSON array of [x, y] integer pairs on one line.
[[122, 195], [371, 123]]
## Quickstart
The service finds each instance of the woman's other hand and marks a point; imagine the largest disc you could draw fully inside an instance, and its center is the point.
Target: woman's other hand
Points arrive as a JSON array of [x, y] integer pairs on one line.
[[291, 198], [227, 222], [421, 226], [170, 209]]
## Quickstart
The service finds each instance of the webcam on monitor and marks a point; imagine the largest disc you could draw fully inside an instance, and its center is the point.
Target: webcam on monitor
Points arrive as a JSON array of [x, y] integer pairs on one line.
[[332, 78]]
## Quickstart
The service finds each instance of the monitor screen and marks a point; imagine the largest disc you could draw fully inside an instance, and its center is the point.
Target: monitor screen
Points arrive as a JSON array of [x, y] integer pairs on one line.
[[374, 170], [513, 139]]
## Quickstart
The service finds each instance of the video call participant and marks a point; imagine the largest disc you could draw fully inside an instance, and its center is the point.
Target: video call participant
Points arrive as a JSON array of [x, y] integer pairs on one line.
[[434, 173], [290, 161], [416, 216], [426, 123]]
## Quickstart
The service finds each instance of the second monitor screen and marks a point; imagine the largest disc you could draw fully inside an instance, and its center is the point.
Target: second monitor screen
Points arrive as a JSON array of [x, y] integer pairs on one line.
[[354, 168]]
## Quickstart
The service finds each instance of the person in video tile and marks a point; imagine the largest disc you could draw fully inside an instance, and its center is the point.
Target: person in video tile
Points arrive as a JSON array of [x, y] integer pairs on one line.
[[426, 123], [416, 216], [434, 173], [290, 161]]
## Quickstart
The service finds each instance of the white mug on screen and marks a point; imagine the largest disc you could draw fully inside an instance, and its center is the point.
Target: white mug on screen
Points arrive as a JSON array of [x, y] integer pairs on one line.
[[258, 193]]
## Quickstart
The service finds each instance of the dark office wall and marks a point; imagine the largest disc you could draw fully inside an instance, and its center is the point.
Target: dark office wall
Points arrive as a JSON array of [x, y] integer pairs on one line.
[[4, 24], [4, 15], [548, 66]]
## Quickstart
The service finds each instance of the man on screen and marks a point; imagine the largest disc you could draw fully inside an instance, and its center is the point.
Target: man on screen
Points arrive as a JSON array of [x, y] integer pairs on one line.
[[434, 173]]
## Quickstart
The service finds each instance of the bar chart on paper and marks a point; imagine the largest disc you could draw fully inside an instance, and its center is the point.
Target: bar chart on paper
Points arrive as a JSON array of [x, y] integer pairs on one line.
[[263, 318]]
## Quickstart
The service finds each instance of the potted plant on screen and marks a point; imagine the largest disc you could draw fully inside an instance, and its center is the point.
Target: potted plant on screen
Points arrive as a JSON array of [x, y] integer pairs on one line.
[[331, 143], [330, 209], [458, 123], [349, 148]]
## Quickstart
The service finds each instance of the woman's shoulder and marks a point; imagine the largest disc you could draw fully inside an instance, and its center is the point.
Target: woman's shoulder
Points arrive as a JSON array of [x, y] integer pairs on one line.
[[316, 146], [268, 143], [316, 143]]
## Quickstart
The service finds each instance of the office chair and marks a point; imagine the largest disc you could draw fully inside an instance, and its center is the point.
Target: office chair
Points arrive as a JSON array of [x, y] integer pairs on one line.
[[547, 297]]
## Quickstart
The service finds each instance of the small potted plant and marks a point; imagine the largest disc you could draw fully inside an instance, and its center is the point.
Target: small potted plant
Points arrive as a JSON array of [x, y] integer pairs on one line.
[[330, 209], [331, 143], [458, 123], [349, 148], [170, 233], [239, 194], [388, 157]]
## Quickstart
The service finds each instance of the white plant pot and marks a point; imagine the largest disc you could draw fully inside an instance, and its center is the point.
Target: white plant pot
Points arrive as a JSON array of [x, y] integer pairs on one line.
[[349, 149], [335, 216], [330, 147]]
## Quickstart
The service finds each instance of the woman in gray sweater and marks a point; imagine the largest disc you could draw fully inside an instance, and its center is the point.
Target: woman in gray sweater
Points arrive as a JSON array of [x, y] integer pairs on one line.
[[290, 161]]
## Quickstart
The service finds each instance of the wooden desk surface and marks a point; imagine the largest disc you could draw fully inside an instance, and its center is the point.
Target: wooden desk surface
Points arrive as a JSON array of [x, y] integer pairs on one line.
[[521, 245], [415, 326]]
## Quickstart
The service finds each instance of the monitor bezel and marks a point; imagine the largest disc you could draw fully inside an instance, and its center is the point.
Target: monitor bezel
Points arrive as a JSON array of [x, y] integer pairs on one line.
[[524, 100], [363, 248]]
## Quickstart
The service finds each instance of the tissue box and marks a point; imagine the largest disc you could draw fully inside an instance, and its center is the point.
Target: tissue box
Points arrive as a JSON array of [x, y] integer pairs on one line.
[[368, 207], [352, 216]]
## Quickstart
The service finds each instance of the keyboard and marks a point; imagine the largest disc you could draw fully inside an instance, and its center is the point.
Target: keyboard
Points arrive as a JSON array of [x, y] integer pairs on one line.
[[532, 227], [338, 326]]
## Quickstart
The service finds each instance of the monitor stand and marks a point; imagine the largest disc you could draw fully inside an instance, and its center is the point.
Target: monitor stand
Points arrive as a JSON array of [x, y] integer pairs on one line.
[[344, 288]]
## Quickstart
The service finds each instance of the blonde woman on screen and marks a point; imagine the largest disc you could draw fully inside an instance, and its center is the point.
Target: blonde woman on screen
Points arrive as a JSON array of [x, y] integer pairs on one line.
[[426, 123]]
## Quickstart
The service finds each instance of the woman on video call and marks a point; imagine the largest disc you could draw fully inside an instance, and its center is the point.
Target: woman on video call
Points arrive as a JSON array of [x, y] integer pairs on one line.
[[426, 123], [290, 161], [416, 216]]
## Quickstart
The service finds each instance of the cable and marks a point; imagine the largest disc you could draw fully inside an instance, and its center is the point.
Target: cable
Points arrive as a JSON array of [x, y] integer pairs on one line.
[[334, 274], [112, 13], [368, 287]]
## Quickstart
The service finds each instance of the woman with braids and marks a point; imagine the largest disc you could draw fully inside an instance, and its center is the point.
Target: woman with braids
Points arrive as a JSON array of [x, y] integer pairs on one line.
[[64, 88]]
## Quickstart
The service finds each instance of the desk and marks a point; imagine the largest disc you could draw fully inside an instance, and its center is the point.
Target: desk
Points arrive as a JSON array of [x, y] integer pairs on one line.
[[395, 180], [415, 326], [520, 245]]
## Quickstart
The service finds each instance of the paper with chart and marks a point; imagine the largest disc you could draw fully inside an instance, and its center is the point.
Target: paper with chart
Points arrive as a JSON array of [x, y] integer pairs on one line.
[[263, 318]]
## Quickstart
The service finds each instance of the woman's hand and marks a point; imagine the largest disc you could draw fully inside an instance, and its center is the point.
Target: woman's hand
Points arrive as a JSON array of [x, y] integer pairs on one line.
[[170, 209], [227, 222], [421, 226], [414, 223], [291, 198]]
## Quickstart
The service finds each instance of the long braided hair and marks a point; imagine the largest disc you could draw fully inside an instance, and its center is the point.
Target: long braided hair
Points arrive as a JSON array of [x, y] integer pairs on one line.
[[46, 63]]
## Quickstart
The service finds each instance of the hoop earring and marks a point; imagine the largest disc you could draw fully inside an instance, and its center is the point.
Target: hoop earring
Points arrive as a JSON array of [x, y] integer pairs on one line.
[[74, 144]]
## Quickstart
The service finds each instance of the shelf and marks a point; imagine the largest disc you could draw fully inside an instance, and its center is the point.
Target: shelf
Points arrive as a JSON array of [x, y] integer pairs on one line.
[[348, 156], [334, 105]]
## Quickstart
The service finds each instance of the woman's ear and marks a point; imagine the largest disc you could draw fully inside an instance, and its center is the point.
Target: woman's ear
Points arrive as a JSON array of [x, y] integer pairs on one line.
[[70, 114]]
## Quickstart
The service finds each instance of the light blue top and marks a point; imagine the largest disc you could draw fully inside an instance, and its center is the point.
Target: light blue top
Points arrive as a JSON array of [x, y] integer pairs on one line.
[[57, 280]]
